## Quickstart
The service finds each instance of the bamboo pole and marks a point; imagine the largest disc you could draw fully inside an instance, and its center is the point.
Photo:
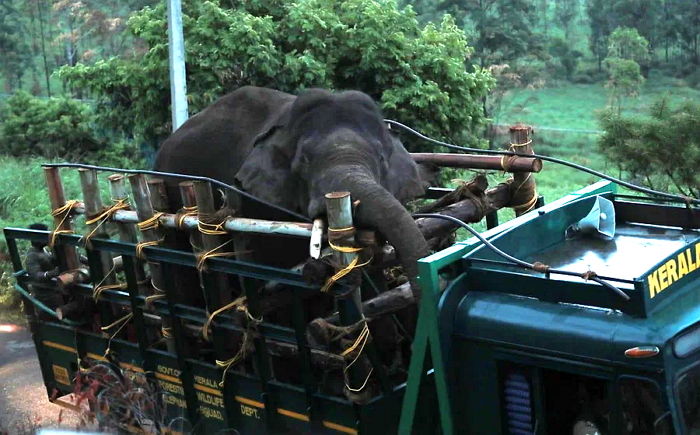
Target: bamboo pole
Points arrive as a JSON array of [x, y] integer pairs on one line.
[[66, 254], [127, 232], [214, 284], [339, 212], [144, 211], [189, 200], [93, 207], [472, 161]]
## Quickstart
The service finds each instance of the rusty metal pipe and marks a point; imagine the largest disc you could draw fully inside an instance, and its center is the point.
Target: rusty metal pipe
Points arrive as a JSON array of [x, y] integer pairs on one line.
[[472, 161]]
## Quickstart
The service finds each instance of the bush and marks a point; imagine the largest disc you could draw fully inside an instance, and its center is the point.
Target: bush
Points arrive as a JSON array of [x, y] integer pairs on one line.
[[662, 148], [419, 75], [50, 128]]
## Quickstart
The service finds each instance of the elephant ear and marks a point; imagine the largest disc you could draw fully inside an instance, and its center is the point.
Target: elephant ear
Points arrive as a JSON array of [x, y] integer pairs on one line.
[[266, 171], [403, 177]]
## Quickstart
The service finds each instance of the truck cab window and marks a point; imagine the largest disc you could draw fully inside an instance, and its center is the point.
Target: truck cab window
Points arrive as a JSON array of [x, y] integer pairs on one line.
[[575, 404], [688, 387], [643, 412]]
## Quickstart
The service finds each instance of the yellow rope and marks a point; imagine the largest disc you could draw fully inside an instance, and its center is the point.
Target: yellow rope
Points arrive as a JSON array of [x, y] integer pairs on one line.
[[121, 321], [212, 229], [338, 230], [345, 249], [186, 211], [238, 303], [202, 258], [151, 223], [361, 341], [149, 299], [141, 245], [64, 210], [347, 269], [119, 204], [342, 272], [242, 351]]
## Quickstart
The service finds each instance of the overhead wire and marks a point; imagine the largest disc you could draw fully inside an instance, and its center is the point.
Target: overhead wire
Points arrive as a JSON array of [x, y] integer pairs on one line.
[[537, 266]]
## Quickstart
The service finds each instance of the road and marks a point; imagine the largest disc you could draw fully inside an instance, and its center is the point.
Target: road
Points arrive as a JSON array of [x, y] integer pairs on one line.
[[24, 405]]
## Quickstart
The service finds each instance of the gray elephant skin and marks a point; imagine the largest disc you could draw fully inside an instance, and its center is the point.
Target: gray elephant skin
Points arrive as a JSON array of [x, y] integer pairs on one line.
[[292, 150]]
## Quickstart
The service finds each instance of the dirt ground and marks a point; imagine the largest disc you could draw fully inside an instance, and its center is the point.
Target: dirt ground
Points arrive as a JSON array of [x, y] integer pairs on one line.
[[24, 406]]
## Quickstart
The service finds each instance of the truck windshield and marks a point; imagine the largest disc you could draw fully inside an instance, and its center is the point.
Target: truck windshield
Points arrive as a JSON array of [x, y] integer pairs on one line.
[[689, 395]]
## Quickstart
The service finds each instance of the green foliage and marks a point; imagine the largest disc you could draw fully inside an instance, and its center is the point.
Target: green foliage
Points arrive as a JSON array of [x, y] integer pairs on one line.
[[46, 127], [567, 56], [417, 74], [59, 128], [661, 149], [626, 48], [627, 43]]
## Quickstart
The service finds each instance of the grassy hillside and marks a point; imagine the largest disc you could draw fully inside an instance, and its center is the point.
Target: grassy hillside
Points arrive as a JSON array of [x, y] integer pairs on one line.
[[574, 106]]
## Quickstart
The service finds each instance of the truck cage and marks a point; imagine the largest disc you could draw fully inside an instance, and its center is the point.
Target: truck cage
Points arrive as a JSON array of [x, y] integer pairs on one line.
[[252, 401]]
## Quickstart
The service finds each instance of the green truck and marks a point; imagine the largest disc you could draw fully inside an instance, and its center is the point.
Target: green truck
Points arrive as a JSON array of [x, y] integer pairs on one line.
[[498, 348]]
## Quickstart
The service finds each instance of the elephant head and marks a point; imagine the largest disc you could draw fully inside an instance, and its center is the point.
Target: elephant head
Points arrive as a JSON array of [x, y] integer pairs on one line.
[[323, 142]]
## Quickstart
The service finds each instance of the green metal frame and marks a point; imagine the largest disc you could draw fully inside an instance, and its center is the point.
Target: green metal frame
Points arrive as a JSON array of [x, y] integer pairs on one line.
[[427, 347], [251, 403]]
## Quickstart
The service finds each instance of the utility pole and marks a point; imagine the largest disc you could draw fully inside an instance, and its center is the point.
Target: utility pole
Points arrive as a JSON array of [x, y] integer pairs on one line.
[[176, 51]]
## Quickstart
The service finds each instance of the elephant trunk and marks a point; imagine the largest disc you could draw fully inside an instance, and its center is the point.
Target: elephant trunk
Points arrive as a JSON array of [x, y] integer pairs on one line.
[[380, 210]]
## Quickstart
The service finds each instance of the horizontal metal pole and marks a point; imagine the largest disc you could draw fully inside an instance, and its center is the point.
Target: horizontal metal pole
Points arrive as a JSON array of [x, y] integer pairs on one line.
[[472, 161], [232, 224]]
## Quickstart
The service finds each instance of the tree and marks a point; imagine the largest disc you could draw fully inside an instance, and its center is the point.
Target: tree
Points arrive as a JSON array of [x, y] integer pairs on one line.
[[626, 50], [16, 55], [661, 149], [599, 15], [417, 74], [568, 57], [566, 12]]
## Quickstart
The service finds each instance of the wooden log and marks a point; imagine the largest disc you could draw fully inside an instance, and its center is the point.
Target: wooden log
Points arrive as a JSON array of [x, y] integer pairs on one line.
[[474, 161], [127, 231], [385, 303], [68, 255], [319, 358], [72, 277], [466, 210], [524, 194]]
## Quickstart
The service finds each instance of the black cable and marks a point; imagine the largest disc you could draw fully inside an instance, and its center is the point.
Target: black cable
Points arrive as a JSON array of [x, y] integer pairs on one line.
[[184, 177], [521, 263], [631, 186]]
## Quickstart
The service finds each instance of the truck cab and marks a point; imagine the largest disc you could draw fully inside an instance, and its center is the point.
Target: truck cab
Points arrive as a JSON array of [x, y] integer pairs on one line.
[[540, 352]]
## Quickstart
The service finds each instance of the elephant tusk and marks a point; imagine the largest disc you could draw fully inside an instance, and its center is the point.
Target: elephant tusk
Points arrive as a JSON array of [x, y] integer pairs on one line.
[[316, 237]]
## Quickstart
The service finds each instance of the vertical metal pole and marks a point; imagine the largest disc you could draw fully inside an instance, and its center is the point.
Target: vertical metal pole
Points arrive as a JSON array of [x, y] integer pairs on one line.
[[176, 51]]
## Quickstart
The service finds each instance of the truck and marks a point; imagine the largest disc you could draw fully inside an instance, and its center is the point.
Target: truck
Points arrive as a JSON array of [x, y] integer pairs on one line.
[[602, 337]]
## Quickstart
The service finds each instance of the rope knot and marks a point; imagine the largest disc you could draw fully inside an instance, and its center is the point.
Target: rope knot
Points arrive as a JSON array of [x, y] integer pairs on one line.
[[64, 211], [540, 267], [589, 275]]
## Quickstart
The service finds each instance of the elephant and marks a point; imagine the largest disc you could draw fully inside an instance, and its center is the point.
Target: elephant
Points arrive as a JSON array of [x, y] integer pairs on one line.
[[292, 150]]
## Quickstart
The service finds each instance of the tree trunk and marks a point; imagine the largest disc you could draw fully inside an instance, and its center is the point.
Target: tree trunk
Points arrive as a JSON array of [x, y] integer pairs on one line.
[[43, 48]]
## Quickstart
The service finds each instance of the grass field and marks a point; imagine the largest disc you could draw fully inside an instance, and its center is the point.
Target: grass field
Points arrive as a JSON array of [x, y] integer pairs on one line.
[[574, 106]]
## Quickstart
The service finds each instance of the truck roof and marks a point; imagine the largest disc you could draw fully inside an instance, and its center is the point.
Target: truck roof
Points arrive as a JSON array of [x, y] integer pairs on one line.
[[654, 257]]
